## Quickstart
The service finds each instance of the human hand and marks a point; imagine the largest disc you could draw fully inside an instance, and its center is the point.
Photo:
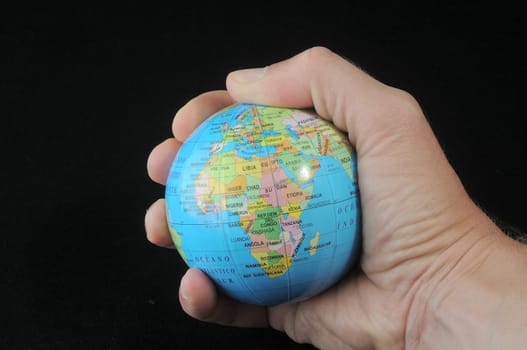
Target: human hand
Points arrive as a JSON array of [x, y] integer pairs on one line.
[[421, 231]]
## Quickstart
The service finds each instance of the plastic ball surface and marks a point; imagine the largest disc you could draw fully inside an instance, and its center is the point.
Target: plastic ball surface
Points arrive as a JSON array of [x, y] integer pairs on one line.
[[265, 201]]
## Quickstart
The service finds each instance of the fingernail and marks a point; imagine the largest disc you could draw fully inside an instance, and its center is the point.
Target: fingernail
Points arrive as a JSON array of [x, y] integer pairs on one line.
[[248, 75], [184, 293]]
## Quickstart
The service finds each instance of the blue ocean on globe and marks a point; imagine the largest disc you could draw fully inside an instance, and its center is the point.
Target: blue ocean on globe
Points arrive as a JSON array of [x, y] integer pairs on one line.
[[265, 201]]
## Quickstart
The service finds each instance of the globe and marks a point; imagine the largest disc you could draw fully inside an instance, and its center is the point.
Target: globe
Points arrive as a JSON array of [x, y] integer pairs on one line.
[[265, 201]]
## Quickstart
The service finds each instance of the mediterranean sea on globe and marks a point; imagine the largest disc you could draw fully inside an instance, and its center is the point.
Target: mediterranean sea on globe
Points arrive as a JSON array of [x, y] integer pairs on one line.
[[265, 201]]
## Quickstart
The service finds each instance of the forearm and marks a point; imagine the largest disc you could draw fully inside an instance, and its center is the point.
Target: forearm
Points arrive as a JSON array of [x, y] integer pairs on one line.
[[481, 302]]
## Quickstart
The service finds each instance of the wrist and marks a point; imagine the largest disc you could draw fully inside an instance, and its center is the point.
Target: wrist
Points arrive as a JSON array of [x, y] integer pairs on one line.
[[475, 297]]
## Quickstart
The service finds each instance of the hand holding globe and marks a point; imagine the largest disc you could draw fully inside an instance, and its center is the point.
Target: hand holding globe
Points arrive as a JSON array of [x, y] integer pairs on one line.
[[265, 201], [432, 263]]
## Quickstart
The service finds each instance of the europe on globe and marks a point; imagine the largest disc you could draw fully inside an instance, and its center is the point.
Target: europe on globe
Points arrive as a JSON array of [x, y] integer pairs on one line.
[[265, 201]]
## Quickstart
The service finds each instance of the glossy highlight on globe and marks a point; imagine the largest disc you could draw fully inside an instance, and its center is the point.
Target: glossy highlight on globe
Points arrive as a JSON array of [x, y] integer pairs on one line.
[[265, 201]]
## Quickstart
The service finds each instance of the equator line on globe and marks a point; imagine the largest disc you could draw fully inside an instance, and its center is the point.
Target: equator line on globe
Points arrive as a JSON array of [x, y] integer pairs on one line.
[[265, 201]]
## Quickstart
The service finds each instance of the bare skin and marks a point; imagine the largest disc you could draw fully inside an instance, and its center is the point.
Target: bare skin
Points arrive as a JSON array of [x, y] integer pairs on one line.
[[435, 271]]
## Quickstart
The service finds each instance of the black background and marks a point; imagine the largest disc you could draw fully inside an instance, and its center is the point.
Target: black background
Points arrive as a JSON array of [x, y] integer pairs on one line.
[[88, 91]]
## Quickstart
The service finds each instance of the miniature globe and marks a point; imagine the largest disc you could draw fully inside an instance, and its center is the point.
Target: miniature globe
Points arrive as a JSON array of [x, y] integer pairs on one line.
[[265, 201]]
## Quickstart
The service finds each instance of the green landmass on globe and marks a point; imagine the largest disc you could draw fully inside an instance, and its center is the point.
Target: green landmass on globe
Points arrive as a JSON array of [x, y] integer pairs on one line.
[[265, 201]]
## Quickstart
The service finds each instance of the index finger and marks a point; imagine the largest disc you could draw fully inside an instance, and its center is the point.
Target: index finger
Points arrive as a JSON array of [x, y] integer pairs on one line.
[[197, 110]]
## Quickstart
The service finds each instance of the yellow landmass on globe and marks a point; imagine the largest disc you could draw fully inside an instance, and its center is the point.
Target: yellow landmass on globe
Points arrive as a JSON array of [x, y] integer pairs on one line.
[[176, 238], [274, 140], [273, 265], [235, 187], [313, 243], [249, 167]]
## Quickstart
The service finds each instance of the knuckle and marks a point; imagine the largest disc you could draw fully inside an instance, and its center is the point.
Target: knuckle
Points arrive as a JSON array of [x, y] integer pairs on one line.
[[317, 55], [403, 105]]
